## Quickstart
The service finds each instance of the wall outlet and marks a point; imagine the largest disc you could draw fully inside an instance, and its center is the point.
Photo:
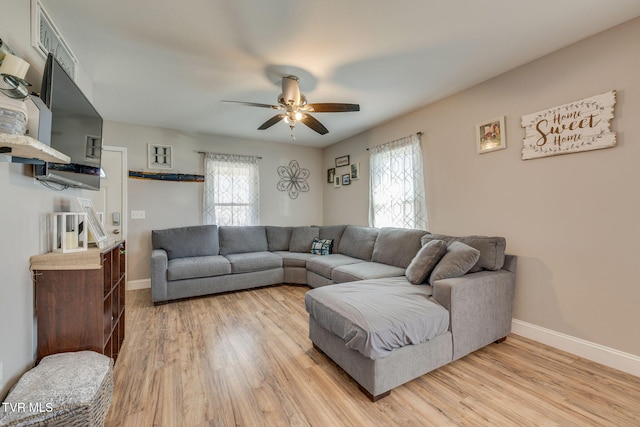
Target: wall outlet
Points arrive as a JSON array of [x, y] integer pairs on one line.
[[138, 214]]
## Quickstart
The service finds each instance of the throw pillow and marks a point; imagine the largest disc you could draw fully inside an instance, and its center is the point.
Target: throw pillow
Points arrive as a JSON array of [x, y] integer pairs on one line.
[[425, 260], [321, 246], [458, 260]]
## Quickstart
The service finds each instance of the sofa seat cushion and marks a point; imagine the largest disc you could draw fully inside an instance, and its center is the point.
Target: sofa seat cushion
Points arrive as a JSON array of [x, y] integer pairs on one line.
[[376, 316], [364, 270], [294, 259], [254, 261], [197, 266], [323, 264]]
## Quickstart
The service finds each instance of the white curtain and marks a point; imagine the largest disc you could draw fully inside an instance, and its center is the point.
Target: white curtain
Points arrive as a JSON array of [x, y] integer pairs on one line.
[[231, 190], [396, 184]]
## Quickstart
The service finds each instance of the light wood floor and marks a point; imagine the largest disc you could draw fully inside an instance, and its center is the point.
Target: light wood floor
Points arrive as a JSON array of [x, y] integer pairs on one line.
[[244, 359]]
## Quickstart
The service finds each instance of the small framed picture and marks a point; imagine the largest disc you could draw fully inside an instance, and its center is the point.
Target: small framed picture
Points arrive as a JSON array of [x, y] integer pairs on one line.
[[342, 161], [355, 171], [346, 179], [490, 135], [337, 183], [160, 156], [331, 174]]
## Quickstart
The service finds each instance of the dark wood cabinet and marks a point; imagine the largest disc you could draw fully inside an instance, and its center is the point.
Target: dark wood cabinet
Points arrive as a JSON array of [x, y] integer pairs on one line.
[[80, 301]]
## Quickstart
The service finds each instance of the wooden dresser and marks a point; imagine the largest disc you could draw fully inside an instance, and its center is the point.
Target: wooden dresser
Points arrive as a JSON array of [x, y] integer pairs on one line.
[[80, 300]]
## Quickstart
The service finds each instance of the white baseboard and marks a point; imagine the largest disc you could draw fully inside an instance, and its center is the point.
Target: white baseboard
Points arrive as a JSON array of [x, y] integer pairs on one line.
[[133, 285], [607, 356]]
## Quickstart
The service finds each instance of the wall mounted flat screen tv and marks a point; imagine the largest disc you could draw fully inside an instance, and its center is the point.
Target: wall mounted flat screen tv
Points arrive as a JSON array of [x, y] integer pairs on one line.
[[76, 130]]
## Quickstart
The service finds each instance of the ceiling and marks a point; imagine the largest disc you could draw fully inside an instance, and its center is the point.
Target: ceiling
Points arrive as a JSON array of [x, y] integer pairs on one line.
[[171, 63]]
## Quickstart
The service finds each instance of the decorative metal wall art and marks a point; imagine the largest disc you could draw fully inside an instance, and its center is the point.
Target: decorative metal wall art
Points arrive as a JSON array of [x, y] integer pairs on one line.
[[293, 179]]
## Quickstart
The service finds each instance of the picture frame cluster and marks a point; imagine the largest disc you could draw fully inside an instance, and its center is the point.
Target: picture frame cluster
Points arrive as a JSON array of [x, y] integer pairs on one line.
[[339, 176]]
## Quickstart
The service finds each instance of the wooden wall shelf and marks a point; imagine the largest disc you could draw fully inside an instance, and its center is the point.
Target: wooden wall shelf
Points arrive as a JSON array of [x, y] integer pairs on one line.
[[30, 148]]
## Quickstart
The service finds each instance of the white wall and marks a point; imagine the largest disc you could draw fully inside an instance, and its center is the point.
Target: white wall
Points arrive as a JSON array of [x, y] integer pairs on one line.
[[571, 219], [24, 221], [175, 204]]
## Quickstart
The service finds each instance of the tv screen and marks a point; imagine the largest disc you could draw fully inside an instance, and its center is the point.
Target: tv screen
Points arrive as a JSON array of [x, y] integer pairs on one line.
[[76, 130]]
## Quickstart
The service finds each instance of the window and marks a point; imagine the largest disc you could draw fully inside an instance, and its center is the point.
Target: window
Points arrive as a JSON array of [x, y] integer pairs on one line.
[[397, 194], [231, 190]]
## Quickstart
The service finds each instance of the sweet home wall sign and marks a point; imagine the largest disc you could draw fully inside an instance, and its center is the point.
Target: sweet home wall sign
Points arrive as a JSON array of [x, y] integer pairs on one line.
[[578, 126]]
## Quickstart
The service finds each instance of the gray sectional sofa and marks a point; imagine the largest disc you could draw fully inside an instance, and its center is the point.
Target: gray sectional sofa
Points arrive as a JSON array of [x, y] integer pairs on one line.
[[401, 302]]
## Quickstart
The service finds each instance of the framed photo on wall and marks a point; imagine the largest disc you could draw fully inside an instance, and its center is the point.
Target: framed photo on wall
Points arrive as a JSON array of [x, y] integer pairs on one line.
[[342, 161], [346, 179], [337, 181], [331, 174], [491, 135], [355, 171]]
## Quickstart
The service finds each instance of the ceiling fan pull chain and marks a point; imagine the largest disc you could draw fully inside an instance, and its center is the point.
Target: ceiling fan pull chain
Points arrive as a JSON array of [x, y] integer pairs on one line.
[[293, 135]]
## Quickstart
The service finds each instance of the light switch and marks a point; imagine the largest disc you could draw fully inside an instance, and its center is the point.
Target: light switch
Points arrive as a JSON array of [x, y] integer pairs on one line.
[[137, 214]]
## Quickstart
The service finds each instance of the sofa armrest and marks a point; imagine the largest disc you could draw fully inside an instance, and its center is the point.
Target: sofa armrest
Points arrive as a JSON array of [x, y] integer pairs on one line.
[[159, 266], [480, 308]]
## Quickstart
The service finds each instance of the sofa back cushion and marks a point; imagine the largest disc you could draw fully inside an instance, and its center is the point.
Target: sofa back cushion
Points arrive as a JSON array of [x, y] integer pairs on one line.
[[491, 249], [397, 246], [183, 242], [242, 239], [358, 242], [332, 232], [278, 238], [302, 238]]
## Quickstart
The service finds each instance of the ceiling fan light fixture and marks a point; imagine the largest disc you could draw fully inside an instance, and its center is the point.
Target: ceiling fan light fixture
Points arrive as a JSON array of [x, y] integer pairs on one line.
[[294, 108]]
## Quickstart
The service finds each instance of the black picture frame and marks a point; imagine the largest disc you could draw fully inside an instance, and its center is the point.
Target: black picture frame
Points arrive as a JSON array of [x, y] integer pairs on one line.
[[346, 179], [331, 174], [342, 161]]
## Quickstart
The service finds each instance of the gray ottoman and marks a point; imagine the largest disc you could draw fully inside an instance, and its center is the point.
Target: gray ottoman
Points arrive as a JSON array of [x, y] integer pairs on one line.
[[66, 389]]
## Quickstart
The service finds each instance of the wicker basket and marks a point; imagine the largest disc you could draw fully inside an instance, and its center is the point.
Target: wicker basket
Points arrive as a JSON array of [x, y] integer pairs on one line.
[[66, 389]]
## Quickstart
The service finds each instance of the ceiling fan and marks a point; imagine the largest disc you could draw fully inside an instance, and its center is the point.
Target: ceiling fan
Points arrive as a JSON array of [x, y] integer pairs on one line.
[[294, 107]]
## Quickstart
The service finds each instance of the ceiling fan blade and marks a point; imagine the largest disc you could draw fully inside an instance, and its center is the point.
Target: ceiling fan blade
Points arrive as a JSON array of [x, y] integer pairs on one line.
[[272, 121], [331, 107], [314, 124], [255, 104]]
